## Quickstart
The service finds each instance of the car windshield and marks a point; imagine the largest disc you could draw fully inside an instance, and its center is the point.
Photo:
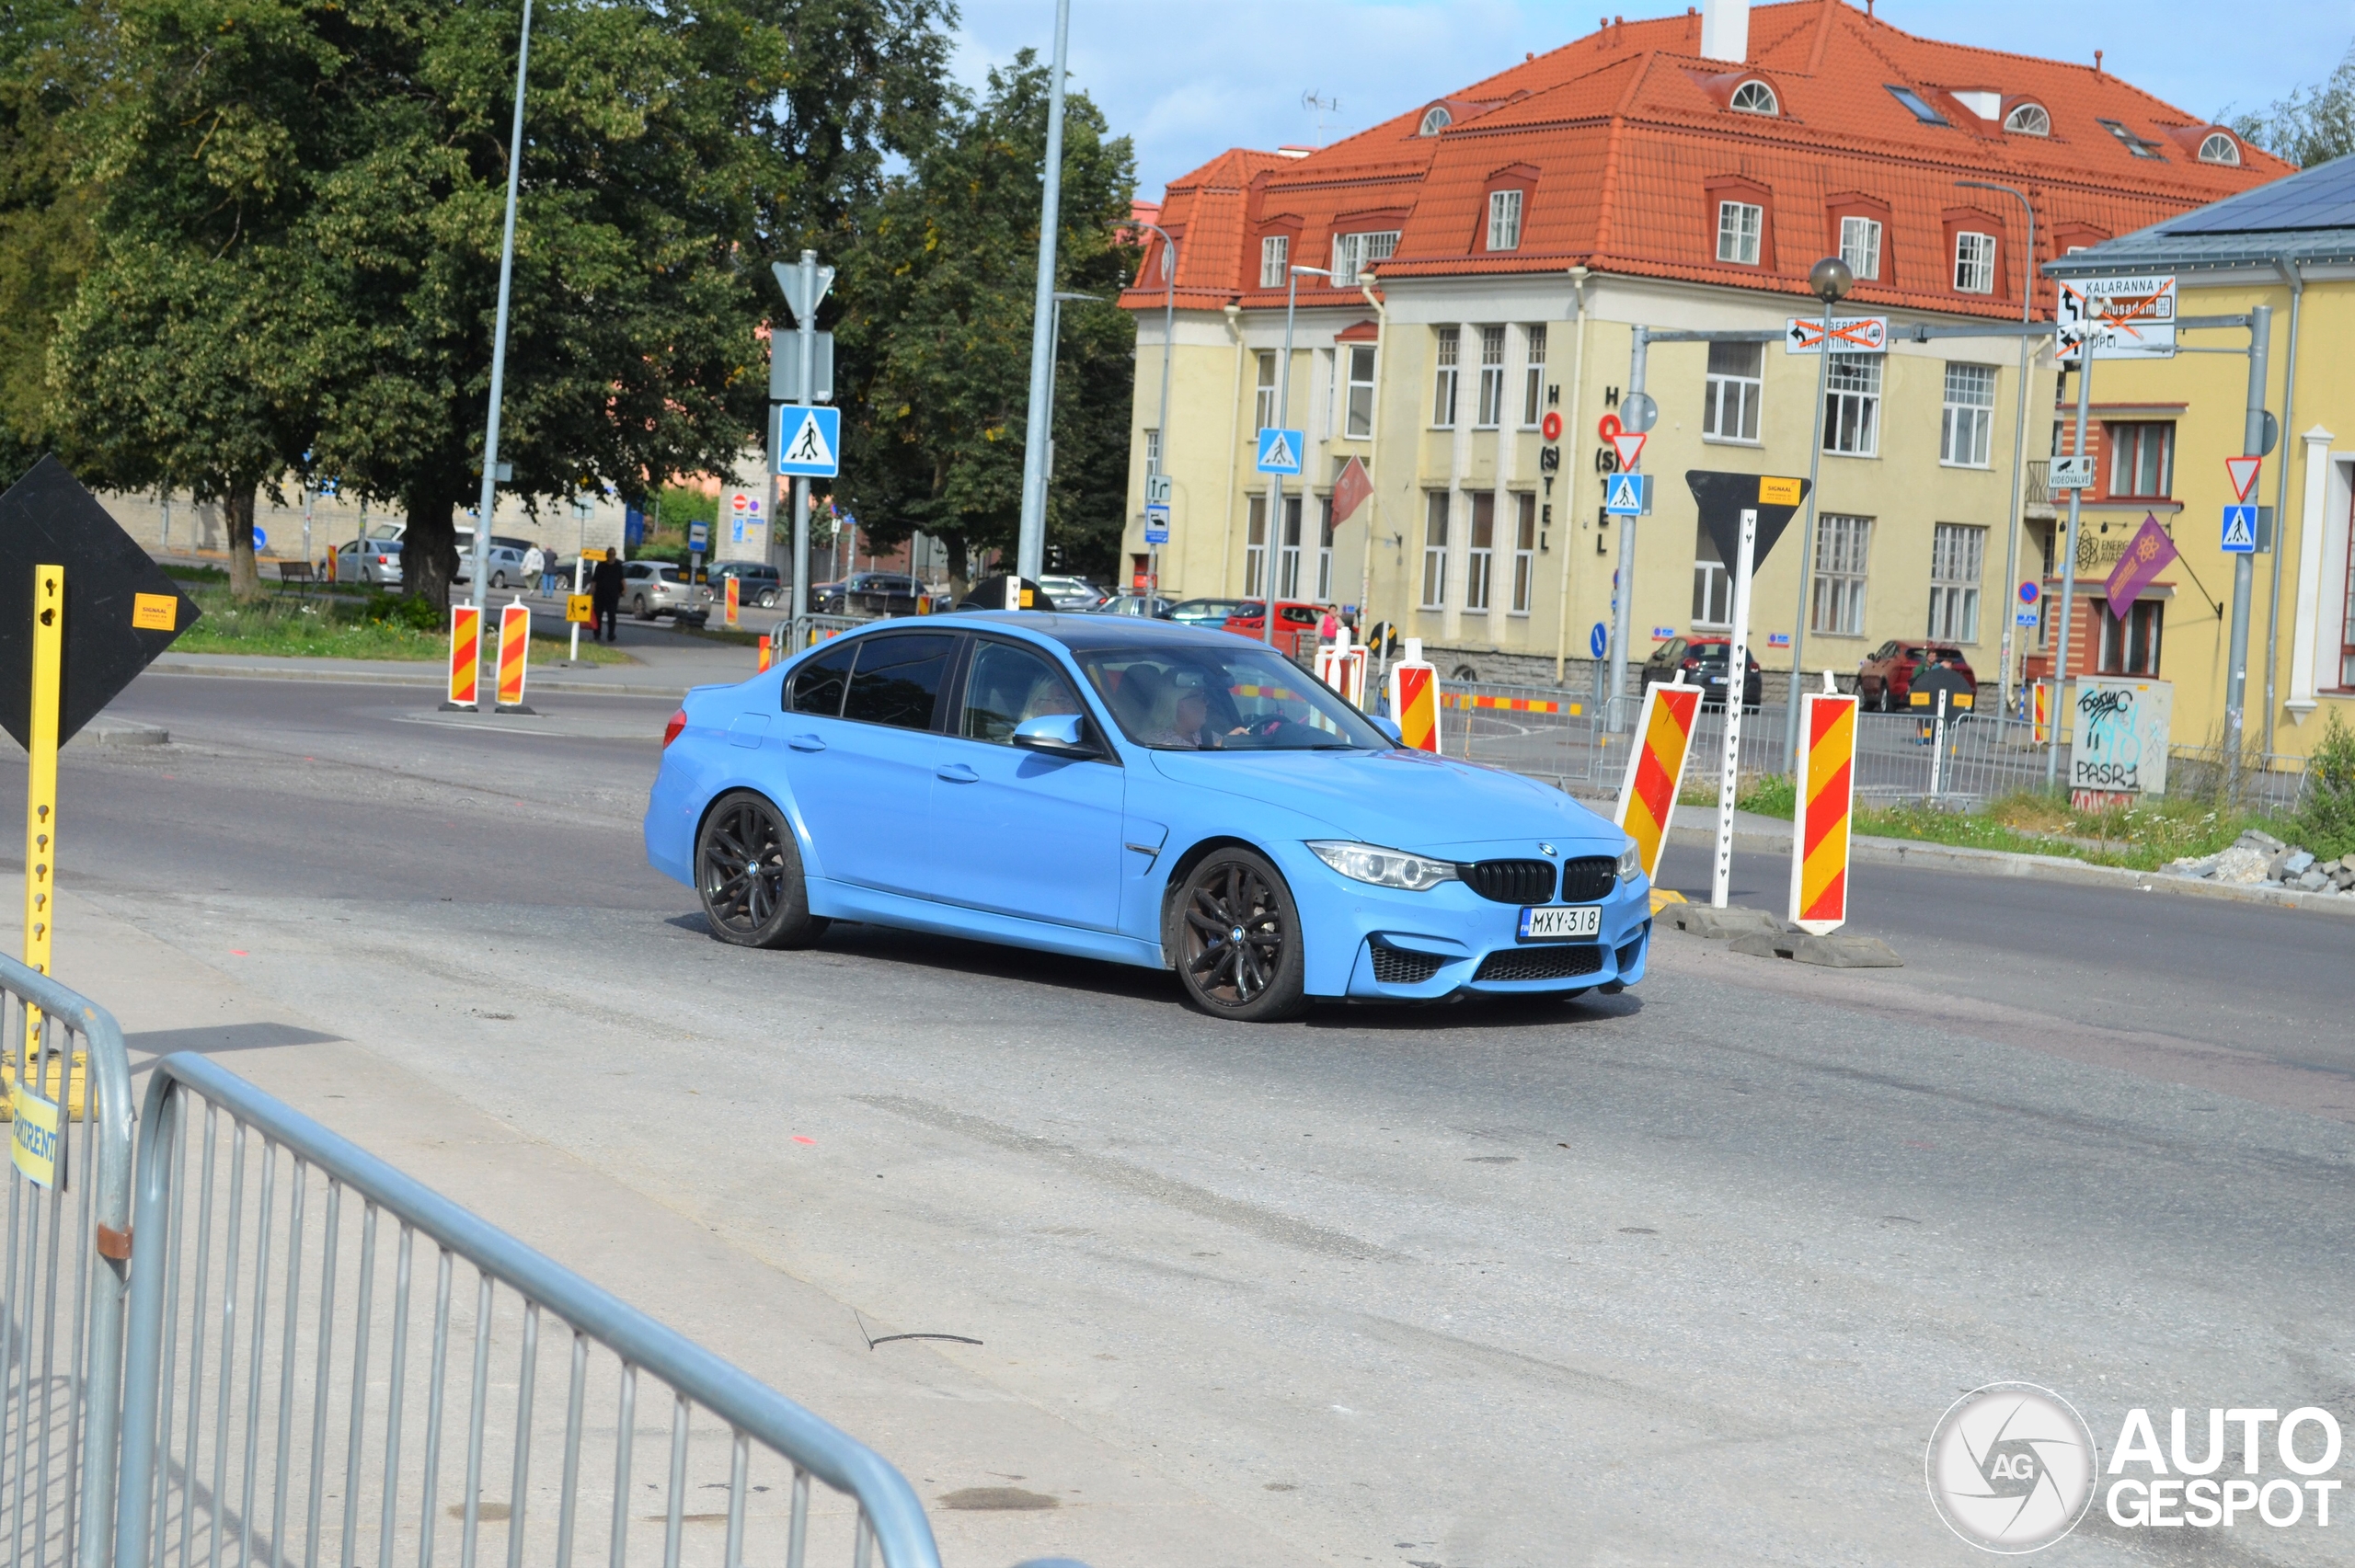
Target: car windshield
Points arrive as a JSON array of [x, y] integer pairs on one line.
[[1218, 699]]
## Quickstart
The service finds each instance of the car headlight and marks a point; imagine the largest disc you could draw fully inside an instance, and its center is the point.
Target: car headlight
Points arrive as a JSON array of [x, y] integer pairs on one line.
[[1384, 868], [1631, 863]]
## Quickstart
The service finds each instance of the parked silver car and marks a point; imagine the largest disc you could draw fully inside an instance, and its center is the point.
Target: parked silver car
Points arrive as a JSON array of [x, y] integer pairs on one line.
[[375, 561], [651, 590], [506, 565]]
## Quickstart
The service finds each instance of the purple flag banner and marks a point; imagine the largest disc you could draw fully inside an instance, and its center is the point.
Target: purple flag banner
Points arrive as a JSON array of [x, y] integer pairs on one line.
[[2147, 555]]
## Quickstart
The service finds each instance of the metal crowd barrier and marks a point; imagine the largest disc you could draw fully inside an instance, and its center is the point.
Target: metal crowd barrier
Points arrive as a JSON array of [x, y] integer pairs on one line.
[[62, 1298], [1545, 731]]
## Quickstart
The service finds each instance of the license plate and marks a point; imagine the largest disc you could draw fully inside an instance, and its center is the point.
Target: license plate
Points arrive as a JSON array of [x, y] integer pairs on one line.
[[1561, 923]]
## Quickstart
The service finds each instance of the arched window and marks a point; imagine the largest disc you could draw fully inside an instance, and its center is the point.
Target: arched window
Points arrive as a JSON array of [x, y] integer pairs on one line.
[[2029, 120], [1754, 97], [1435, 119], [2219, 148]]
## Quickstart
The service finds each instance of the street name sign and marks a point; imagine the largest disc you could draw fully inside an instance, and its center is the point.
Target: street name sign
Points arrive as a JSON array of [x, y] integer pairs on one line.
[[2124, 318], [1849, 335]]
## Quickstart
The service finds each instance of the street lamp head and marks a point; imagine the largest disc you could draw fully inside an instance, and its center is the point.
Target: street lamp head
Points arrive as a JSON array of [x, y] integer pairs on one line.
[[1311, 271], [1830, 280]]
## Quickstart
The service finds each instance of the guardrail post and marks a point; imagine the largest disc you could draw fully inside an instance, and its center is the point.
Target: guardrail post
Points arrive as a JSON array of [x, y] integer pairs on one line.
[[159, 1132]]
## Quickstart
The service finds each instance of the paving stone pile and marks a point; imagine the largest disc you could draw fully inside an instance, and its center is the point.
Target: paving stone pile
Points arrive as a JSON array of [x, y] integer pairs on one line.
[[2259, 857]]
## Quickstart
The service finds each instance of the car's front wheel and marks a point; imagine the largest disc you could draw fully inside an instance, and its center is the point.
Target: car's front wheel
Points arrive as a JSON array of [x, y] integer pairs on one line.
[[637, 608], [749, 871], [1239, 945]]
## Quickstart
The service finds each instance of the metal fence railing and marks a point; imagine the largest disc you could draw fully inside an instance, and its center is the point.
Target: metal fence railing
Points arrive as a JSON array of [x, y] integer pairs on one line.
[[1547, 732], [282, 1404], [62, 1297]]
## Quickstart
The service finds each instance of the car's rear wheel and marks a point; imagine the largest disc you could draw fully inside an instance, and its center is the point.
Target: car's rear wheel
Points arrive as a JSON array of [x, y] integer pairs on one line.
[[637, 608], [749, 871], [1239, 940]]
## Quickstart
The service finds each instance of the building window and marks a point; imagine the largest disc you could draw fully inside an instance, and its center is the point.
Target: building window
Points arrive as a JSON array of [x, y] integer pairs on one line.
[[1504, 220], [1324, 551], [1255, 550], [2141, 458], [1915, 105], [1354, 254], [2029, 120], [2130, 141], [1533, 385], [1275, 255], [1443, 383], [1524, 552], [1153, 451], [1288, 571], [2130, 647], [1729, 397], [1360, 426], [1484, 548], [1964, 438], [1266, 406], [1860, 247], [2219, 148], [1738, 225], [1435, 119], [1974, 263], [1435, 549], [1492, 377], [1842, 547], [1754, 97], [1958, 551], [1712, 584], [1852, 406]]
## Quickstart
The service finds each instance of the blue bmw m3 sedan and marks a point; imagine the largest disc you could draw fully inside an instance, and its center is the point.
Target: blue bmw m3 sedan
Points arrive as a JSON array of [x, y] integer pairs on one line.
[[1141, 792]]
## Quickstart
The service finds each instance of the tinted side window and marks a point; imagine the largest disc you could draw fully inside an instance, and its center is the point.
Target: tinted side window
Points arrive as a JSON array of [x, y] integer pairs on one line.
[[1007, 685], [896, 679], [818, 685]]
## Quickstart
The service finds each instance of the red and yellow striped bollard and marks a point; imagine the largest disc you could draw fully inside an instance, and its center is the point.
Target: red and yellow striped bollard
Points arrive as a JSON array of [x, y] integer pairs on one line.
[[767, 657], [465, 656], [1656, 770], [1827, 796], [514, 652], [1414, 699]]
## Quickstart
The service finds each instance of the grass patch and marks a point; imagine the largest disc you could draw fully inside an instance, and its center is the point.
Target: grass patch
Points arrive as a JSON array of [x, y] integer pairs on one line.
[[2142, 837], [373, 625], [1769, 795], [196, 574]]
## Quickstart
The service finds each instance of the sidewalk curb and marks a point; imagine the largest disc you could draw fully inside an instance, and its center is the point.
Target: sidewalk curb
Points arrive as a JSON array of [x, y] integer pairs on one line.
[[429, 677]]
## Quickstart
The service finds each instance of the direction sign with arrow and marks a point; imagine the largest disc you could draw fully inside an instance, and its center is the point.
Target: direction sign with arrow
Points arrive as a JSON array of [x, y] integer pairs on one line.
[[1851, 335], [2244, 474]]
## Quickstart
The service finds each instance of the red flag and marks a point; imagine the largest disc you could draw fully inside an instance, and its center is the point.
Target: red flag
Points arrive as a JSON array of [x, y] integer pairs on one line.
[[1349, 490], [2147, 555]]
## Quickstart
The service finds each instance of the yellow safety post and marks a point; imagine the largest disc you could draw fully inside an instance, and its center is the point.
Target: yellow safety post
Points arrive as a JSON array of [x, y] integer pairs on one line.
[[25, 1105]]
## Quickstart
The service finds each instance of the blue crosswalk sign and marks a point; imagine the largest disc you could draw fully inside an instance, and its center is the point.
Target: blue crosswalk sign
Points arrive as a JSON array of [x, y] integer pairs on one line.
[[1627, 495], [809, 444], [1280, 451], [2240, 531]]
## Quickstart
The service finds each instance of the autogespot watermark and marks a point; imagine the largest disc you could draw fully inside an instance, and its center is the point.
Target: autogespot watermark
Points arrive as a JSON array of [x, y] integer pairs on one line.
[[2013, 1467]]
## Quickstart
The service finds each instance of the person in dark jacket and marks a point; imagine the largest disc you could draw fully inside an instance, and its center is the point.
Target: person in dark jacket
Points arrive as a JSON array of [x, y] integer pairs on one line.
[[605, 596]]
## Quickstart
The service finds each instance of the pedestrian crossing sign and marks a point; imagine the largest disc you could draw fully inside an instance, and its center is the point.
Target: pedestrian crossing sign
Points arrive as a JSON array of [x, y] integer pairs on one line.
[[2240, 531], [1280, 451], [809, 442], [1627, 495]]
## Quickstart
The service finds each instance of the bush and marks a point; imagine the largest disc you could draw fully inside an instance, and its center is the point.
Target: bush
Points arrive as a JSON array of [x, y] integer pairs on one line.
[[2326, 819], [410, 610]]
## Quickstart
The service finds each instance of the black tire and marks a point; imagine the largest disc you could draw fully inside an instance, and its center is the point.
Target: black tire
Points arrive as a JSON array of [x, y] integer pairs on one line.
[[768, 599], [637, 608], [499, 579], [1238, 939], [748, 870]]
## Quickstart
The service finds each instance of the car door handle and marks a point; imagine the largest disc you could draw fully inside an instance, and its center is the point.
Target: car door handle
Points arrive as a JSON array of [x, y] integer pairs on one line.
[[958, 773], [805, 742]]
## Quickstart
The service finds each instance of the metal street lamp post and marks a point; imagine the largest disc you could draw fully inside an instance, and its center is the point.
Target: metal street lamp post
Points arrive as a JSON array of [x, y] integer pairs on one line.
[[498, 335], [1169, 349], [2019, 432], [1030, 546], [1830, 280]]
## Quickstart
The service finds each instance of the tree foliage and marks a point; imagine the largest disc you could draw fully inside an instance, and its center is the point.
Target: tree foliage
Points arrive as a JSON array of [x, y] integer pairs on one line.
[[2313, 125], [49, 74], [935, 331]]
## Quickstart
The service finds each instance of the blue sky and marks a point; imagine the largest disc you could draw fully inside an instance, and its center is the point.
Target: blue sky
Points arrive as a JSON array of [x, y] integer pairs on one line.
[[1190, 78]]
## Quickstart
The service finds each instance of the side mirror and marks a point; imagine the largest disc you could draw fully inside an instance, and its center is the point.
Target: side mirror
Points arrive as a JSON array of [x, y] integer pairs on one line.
[[1064, 735], [1397, 736]]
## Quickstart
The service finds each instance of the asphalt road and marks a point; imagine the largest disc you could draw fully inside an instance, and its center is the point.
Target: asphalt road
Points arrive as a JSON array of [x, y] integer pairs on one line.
[[1686, 1275]]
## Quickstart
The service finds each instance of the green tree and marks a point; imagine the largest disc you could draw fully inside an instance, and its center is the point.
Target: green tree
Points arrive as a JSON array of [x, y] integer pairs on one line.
[[935, 331], [2313, 125]]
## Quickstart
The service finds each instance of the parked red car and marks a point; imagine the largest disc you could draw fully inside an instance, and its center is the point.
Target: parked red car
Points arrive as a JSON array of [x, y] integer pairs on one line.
[[1296, 622], [1885, 679]]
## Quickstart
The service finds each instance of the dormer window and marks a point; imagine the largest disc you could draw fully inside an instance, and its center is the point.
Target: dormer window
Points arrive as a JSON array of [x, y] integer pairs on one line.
[[1435, 119], [1754, 97], [2219, 148], [2029, 120]]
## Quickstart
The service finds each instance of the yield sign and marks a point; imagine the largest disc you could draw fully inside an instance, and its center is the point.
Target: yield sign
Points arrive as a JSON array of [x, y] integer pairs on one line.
[[1629, 446], [2244, 473]]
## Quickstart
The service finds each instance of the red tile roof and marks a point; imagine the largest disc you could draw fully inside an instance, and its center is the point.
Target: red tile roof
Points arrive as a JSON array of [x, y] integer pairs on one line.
[[1620, 136]]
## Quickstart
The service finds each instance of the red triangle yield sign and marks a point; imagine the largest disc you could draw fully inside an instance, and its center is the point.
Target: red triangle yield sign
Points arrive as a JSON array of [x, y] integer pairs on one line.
[[2244, 473], [1629, 447]]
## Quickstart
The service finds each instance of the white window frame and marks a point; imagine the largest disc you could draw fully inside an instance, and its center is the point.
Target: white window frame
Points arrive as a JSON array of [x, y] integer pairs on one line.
[[1275, 259], [1533, 390], [1357, 418], [1712, 584], [2216, 147], [2029, 120], [1726, 392], [1958, 565], [1740, 226], [1255, 548], [1288, 556], [1325, 550], [1860, 247], [1754, 96], [1480, 562], [1490, 409], [1525, 550], [1504, 218], [1152, 449], [1447, 351], [1974, 262], [1966, 424], [1852, 406], [1352, 253], [1843, 561], [1264, 403], [1436, 507], [2126, 458]]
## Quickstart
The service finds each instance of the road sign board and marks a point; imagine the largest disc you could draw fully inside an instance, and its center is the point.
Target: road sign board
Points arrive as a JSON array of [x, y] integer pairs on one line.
[[1157, 490], [1280, 451], [1724, 496], [1850, 334], [1778, 639], [2024, 618], [788, 278], [1638, 412], [261, 539], [2240, 531], [698, 535], [1156, 533], [813, 445], [1598, 641], [1629, 445], [1627, 495], [2242, 471], [121, 609], [2125, 318], [2029, 593], [2070, 473], [1156, 514], [785, 367]]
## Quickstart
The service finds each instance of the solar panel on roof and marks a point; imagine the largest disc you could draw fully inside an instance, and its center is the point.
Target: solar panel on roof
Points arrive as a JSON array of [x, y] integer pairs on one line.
[[2320, 198]]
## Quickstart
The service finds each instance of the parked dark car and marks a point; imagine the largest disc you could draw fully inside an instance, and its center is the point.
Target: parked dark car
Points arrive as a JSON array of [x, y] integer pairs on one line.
[[869, 594], [1703, 661], [758, 582], [1885, 679]]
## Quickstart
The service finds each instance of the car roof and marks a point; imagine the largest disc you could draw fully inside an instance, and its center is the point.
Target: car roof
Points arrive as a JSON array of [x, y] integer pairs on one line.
[[1080, 633]]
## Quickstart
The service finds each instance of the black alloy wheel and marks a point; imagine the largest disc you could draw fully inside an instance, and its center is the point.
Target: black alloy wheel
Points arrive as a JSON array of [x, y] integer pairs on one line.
[[1239, 945], [749, 872]]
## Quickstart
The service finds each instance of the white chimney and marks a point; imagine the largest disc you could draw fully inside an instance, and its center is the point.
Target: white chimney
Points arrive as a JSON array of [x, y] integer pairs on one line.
[[1724, 30]]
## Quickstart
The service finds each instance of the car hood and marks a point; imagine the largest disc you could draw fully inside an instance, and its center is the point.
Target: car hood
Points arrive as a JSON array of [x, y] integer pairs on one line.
[[1407, 800]]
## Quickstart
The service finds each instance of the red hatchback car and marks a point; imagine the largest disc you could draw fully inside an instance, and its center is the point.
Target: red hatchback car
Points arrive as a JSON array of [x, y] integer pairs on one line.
[[1297, 624], [1885, 679]]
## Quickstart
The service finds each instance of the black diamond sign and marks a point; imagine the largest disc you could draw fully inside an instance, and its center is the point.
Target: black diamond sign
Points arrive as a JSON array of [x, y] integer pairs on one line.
[[121, 609], [1724, 496]]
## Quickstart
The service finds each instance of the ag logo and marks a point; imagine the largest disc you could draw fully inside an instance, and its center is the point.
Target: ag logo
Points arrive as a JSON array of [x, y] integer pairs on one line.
[[2011, 1467]]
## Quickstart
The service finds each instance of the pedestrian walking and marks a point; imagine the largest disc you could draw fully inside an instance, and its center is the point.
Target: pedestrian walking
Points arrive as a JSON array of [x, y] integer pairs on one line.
[[535, 567], [605, 589]]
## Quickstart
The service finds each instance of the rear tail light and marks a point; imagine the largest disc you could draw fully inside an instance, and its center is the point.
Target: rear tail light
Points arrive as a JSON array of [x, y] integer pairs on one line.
[[670, 730]]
